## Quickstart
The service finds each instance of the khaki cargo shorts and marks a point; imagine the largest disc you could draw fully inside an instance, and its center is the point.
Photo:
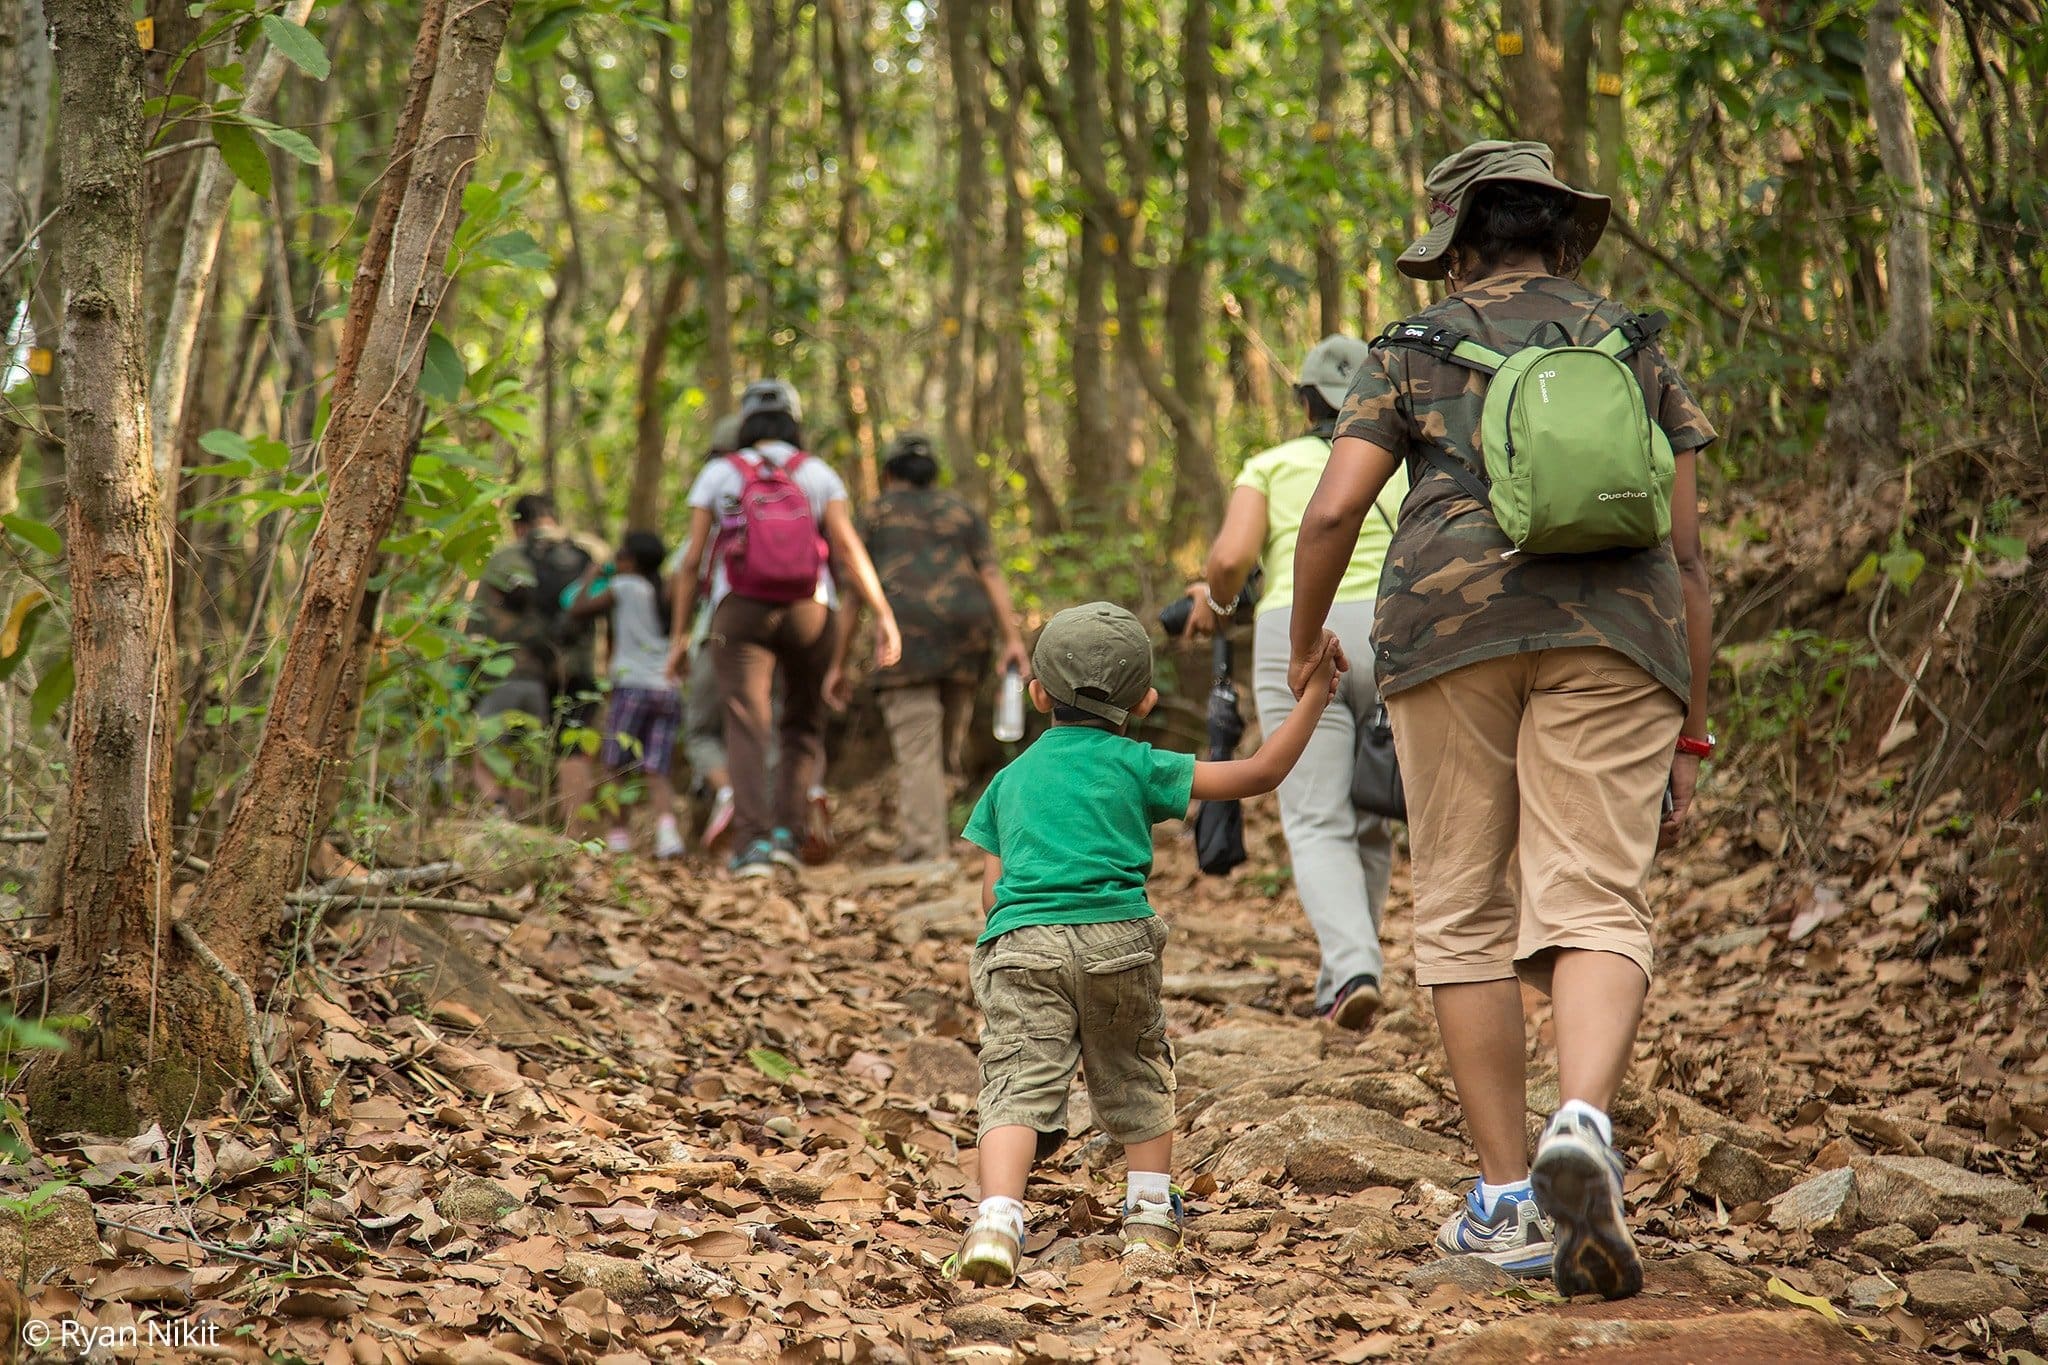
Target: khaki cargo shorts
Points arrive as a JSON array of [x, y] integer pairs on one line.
[[1057, 996], [1534, 794]]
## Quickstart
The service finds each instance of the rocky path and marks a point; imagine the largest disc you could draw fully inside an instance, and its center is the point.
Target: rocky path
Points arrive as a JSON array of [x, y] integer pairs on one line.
[[674, 1119]]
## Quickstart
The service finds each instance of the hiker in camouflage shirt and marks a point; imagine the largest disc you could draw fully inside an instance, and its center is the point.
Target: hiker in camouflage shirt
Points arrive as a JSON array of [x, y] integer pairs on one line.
[[1542, 706], [952, 605]]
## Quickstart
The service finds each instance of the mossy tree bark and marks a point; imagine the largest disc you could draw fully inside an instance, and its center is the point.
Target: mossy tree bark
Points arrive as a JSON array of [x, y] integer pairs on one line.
[[110, 886], [24, 110]]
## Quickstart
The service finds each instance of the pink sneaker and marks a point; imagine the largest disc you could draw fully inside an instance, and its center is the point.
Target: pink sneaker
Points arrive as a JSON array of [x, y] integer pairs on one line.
[[720, 823]]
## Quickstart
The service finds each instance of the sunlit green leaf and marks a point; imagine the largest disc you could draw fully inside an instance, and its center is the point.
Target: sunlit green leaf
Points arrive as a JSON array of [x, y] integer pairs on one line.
[[298, 45]]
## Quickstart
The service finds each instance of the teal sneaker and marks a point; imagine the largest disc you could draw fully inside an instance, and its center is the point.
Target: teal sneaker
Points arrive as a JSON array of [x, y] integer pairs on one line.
[[782, 848], [1577, 1176], [755, 860], [1517, 1238]]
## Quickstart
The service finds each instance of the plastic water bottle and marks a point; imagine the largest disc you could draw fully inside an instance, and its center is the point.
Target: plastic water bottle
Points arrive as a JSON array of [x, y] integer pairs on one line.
[[1010, 707]]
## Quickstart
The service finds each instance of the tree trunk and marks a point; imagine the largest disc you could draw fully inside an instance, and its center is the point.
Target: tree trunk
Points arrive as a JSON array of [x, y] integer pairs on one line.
[[849, 62], [1910, 331], [1574, 48], [367, 449], [114, 900], [1011, 329], [1329, 252], [650, 408], [766, 56], [1532, 76], [24, 110], [1607, 111], [1197, 489], [963, 244], [204, 224], [710, 61]]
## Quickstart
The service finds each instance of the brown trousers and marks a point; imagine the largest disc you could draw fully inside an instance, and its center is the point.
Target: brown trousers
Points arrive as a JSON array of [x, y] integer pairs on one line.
[[927, 728], [750, 639]]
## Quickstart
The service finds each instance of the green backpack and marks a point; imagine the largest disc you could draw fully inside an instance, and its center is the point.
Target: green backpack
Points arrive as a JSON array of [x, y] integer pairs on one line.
[[1574, 465]]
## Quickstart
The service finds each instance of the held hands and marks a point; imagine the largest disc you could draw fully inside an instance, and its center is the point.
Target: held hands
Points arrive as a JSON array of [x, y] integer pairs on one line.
[[1685, 776], [1305, 673]]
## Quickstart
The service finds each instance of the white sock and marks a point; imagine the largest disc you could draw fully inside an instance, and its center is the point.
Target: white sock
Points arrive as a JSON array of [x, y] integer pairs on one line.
[[1491, 1195], [725, 793], [1003, 1207], [1583, 1110], [1148, 1187], [666, 822]]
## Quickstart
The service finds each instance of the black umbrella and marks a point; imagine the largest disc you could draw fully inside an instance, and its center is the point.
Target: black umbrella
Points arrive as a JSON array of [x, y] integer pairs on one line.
[[1219, 825]]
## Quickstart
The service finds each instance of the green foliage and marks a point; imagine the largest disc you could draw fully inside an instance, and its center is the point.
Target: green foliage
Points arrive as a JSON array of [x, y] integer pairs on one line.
[[17, 1036], [1794, 686]]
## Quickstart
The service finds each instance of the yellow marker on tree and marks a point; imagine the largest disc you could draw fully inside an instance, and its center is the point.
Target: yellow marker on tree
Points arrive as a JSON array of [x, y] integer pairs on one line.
[[145, 34], [1508, 44], [1609, 84], [41, 360]]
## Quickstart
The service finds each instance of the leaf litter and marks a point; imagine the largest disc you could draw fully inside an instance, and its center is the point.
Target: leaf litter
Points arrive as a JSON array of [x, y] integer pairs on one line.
[[745, 1132]]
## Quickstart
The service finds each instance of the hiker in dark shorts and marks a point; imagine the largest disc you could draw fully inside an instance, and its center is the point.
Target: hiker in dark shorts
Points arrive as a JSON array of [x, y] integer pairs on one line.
[[1545, 692]]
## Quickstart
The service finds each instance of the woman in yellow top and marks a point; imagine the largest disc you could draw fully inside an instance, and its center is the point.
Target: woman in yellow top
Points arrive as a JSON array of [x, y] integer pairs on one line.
[[1342, 856]]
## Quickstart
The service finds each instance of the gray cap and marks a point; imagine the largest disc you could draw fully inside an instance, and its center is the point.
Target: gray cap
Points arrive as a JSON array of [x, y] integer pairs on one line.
[[1095, 658], [1331, 367], [725, 434], [770, 395]]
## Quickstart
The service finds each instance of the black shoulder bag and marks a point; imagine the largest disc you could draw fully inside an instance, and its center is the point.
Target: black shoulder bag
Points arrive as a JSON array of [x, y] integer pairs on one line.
[[1375, 768]]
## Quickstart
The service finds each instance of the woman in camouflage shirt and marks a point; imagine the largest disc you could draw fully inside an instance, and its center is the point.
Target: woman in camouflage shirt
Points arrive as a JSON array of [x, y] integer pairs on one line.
[[1542, 706]]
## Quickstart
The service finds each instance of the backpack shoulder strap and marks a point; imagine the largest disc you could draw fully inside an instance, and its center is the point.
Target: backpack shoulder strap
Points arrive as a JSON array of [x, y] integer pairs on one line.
[[1445, 343], [1632, 333]]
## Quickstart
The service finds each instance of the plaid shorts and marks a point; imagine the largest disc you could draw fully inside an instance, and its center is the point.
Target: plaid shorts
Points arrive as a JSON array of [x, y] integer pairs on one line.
[[641, 727]]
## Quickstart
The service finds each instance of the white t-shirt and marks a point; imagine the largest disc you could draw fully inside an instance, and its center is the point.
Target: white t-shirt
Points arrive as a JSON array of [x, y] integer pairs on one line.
[[639, 649], [718, 487]]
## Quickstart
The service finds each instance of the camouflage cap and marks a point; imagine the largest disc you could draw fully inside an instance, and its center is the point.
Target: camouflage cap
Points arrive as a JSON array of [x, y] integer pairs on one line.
[[725, 434], [1095, 658], [1450, 184], [1331, 366]]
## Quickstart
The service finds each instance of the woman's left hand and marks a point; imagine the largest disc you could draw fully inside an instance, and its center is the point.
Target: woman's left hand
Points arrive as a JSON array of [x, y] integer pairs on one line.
[[1302, 669], [1685, 776], [1201, 612]]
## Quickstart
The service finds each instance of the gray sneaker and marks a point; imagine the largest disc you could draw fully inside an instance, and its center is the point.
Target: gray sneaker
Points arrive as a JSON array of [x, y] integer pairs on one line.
[[1577, 1177]]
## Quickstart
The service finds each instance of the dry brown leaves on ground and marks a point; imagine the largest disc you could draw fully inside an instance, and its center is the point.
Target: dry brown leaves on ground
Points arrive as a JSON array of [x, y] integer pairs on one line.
[[680, 1119]]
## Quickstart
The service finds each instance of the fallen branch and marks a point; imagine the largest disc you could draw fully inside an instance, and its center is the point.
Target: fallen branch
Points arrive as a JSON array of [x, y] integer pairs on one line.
[[320, 900], [268, 1080], [24, 836], [392, 878]]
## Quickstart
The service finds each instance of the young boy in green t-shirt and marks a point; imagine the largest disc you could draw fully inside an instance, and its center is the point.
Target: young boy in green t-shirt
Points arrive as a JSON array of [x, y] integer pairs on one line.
[[1067, 970]]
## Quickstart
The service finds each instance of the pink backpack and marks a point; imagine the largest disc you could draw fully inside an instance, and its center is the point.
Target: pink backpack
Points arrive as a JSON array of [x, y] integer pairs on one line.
[[769, 541]]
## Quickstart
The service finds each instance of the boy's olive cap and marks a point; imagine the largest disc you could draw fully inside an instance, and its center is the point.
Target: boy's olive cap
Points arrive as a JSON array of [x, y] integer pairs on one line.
[[1099, 647], [1450, 185]]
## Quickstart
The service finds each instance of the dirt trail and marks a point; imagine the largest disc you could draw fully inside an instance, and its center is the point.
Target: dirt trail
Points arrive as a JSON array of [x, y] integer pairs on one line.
[[748, 1139]]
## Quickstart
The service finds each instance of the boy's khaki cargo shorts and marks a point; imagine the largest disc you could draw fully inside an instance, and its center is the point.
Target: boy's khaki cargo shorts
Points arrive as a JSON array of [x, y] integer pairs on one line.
[[1057, 996]]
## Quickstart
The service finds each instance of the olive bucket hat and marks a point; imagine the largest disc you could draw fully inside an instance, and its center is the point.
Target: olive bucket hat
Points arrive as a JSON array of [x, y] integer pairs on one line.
[[1450, 185]]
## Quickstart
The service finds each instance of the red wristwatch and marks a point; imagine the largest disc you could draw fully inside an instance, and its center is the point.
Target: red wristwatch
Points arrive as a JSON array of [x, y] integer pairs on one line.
[[1698, 748]]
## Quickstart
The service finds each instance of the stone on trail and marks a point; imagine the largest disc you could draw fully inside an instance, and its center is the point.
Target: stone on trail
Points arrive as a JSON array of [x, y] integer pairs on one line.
[[60, 1231], [1874, 1294], [1218, 988], [1272, 1044], [985, 1322], [1996, 1252], [1704, 1272], [1954, 1295], [1729, 1172], [1390, 1092], [1887, 1244], [1923, 1193], [956, 918], [1326, 1147], [620, 1278], [933, 1067], [1471, 1273], [1825, 1205], [476, 1199], [1781, 1336]]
